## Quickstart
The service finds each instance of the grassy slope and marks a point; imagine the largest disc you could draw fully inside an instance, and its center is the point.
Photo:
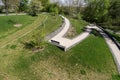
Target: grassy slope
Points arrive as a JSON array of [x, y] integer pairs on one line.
[[22, 32], [53, 23], [7, 23], [89, 60], [14, 54], [78, 24]]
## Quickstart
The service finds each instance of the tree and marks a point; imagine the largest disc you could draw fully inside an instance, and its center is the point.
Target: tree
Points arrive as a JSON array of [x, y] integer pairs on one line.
[[45, 4], [10, 3], [114, 13], [6, 6], [35, 7], [37, 41], [96, 11], [54, 8], [114, 10], [23, 5], [78, 4]]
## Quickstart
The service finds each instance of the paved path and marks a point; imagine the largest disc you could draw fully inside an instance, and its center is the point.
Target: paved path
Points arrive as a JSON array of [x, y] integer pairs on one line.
[[113, 48], [65, 43], [60, 41], [13, 14]]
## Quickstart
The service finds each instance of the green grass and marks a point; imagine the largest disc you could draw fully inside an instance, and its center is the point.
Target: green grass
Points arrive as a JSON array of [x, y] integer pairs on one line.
[[92, 57], [78, 24], [18, 65], [52, 23], [77, 27], [89, 60], [7, 23], [117, 37], [20, 33]]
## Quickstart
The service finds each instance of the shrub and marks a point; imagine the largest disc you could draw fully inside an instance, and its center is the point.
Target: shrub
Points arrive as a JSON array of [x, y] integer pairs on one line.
[[83, 72]]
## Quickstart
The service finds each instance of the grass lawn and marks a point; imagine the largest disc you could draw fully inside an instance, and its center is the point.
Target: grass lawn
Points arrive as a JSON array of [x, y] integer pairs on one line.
[[76, 28], [7, 23], [89, 60], [78, 24], [81, 62], [22, 32]]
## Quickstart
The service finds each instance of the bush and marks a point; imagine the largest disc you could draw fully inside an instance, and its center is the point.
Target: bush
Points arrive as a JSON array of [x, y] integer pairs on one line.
[[13, 46], [83, 72], [37, 42], [96, 33]]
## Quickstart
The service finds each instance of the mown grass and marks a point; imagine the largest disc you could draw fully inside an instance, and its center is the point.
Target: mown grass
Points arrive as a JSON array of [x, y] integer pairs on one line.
[[89, 60], [7, 23], [52, 23], [18, 58], [77, 27], [22, 32], [78, 24]]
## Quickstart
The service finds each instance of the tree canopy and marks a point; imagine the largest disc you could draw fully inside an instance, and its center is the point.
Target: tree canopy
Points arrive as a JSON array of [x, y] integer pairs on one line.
[[96, 10]]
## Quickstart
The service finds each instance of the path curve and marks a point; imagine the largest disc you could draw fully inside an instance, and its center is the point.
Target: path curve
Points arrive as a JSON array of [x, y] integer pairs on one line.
[[60, 41], [112, 46]]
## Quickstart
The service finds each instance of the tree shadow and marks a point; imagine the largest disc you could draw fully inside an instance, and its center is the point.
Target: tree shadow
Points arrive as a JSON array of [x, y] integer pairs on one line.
[[11, 21], [29, 45], [96, 33]]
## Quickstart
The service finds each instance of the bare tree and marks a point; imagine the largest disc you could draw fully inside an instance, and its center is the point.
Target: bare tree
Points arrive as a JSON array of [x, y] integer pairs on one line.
[[9, 3], [78, 4], [6, 6]]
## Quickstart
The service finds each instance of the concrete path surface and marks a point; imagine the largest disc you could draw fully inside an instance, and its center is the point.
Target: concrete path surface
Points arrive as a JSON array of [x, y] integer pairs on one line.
[[60, 41], [113, 47], [20, 33], [13, 14]]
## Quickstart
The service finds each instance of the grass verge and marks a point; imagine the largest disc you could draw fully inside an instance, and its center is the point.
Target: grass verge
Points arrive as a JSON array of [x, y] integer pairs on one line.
[[22, 32], [7, 23]]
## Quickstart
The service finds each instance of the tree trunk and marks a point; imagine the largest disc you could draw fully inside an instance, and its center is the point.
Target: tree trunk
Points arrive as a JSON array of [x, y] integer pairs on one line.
[[6, 7]]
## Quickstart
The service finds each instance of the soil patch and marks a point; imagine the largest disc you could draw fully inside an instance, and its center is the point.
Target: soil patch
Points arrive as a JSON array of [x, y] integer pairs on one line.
[[37, 49], [71, 33], [17, 25]]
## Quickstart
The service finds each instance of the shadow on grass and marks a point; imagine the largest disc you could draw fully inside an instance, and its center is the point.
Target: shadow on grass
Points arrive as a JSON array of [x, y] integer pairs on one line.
[[11, 21], [28, 45], [115, 77], [96, 33]]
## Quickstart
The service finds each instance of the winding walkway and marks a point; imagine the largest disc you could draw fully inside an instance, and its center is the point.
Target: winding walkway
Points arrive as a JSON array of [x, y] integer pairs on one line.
[[113, 47], [60, 41]]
